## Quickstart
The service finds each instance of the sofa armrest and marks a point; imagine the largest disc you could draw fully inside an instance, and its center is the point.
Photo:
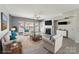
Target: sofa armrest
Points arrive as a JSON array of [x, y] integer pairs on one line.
[[8, 42], [58, 42]]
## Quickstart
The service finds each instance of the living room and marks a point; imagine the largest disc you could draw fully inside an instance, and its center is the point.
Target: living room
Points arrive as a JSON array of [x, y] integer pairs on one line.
[[40, 29]]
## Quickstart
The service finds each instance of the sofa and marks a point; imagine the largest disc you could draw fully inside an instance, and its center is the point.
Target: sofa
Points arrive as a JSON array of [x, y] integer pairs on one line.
[[54, 44]]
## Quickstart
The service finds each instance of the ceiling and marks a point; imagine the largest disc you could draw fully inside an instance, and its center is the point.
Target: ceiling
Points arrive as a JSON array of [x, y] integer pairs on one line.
[[46, 11]]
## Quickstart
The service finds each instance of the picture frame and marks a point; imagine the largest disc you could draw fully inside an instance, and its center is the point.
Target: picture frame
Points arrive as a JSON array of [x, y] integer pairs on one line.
[[4, 20]]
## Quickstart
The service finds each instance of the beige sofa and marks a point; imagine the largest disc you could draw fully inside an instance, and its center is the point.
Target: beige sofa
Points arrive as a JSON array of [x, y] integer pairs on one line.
[[54, 44]]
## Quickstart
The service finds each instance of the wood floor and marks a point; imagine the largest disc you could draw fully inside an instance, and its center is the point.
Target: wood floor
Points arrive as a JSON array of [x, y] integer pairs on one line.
[[69, 47], [31, 47]]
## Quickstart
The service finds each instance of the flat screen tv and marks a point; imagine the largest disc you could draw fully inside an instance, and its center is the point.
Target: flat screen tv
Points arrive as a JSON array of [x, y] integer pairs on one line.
[[63, 23], [3, 21], [48, 31], [48, 22]]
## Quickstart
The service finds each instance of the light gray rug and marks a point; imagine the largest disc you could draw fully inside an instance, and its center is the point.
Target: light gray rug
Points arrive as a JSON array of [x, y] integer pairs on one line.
[[36, 50], [69, 47]]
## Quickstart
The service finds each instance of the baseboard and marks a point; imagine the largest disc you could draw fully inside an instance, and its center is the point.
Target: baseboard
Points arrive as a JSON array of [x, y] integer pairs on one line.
[[77, 41]]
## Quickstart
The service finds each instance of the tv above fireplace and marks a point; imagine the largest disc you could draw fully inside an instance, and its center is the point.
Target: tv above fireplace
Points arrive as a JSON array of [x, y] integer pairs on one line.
[[48, 22], [48, 31]]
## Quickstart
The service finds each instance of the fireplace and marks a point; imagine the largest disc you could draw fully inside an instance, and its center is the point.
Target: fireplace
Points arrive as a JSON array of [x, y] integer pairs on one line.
[[48, 31]]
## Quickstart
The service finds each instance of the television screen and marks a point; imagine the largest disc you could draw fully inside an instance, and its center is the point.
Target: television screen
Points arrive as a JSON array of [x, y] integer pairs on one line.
[[49, 22], [48, 31], [3, 21], [62, 23]]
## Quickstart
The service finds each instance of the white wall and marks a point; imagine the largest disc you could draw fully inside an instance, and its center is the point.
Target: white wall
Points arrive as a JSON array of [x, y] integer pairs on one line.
[[70, 27], [73, 27], [42, 27], [77, 28]]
